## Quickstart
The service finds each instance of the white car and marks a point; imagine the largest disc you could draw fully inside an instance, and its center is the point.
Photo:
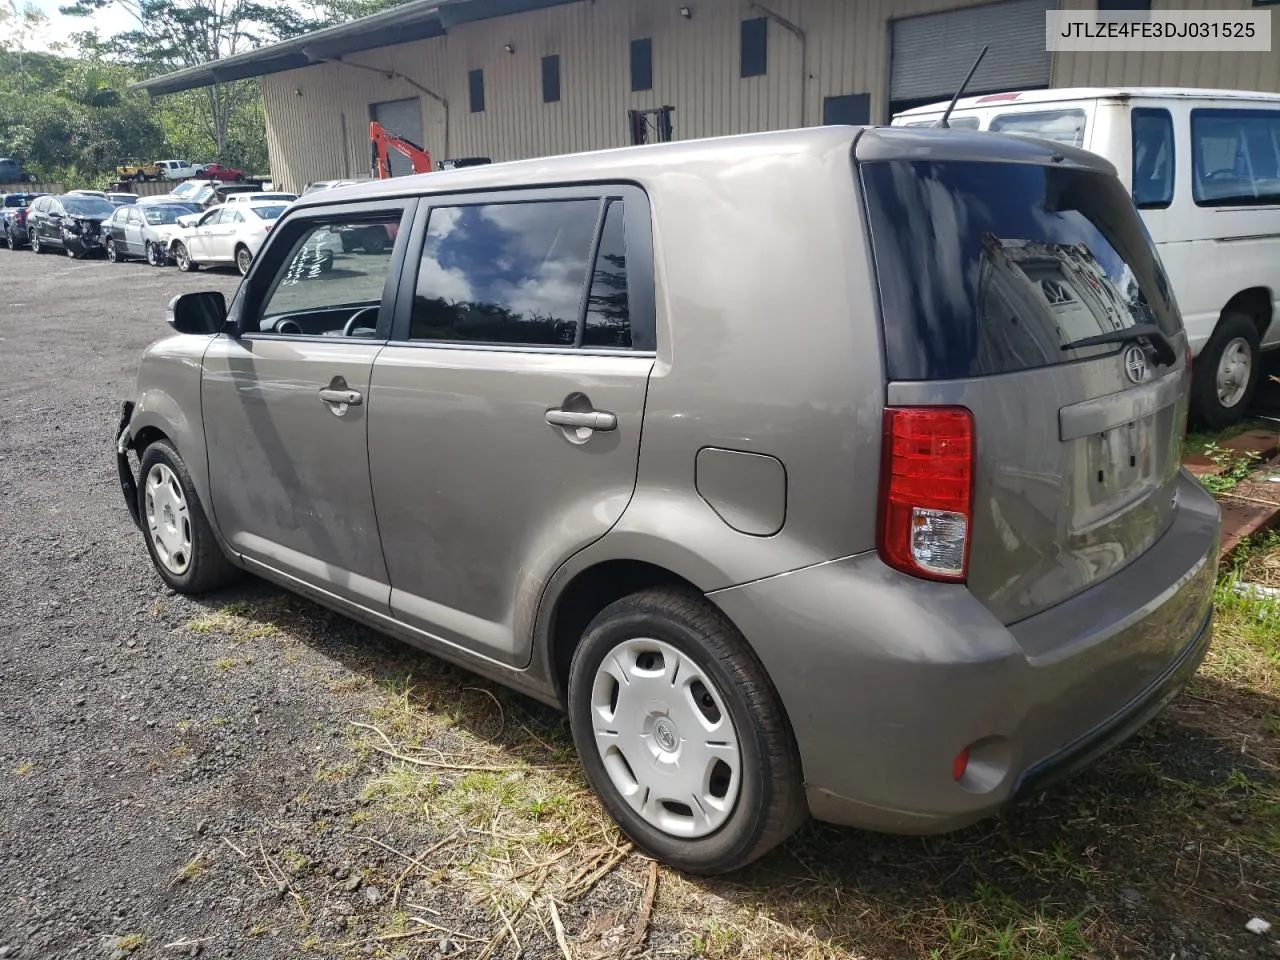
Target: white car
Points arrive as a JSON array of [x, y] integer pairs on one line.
[[176, 169], [1203, 167], [230, 233], [261, 197]]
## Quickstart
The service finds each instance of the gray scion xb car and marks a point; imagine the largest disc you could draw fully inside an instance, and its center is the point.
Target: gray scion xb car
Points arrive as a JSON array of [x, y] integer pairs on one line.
[[830, 472]]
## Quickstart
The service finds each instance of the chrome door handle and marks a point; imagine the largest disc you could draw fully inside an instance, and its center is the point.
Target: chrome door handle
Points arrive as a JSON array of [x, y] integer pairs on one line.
[[350, 397], [590, 419]]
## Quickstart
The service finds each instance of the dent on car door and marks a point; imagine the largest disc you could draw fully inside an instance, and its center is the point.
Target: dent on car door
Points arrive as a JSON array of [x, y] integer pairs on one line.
[[505, 424], [285, 408]]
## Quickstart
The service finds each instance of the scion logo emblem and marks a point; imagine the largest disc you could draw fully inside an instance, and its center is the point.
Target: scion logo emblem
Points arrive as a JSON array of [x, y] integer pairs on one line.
[[1135, 364]]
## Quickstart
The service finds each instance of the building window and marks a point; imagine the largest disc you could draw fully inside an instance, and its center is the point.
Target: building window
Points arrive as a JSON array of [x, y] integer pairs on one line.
[[755, 47], [475, 83], [551, 79], [851, 108], [1153, 156], [642, 64]]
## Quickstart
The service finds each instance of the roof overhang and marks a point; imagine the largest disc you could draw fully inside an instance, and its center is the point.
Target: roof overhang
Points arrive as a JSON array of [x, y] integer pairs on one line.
[[415, 20]]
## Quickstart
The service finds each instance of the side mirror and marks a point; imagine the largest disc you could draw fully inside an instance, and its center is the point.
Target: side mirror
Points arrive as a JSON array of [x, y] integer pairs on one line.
[[204, 312]]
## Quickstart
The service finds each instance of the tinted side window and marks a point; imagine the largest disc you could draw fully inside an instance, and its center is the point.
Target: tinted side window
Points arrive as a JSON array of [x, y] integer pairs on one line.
[[321, 288], [1153, 159], [608, 319], [1064, 126], [508, 273], [1235, 157], [988, 268]]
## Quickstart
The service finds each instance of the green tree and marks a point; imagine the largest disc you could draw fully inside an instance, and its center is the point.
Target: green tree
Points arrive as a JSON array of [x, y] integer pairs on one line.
[[173, 34]]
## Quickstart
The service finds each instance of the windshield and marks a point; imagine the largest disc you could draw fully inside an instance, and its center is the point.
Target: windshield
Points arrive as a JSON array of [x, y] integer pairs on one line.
[[989, 268], [157, 215], [85, 206], [269, 211]]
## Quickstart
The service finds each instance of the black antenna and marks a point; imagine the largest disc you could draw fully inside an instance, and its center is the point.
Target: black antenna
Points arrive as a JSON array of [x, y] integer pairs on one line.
[[942, 121]]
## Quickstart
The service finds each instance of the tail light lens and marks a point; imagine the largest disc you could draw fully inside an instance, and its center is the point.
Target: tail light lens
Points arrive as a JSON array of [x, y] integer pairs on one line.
[[926, 491]]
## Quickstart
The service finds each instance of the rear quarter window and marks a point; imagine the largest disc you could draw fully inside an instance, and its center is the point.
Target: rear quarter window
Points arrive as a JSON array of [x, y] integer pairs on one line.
[[1062, 126], [988, 268], [1235, 157]]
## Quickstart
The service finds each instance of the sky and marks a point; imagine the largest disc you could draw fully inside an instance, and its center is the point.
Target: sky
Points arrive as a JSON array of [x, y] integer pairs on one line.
[[110, 21], [59, 28]]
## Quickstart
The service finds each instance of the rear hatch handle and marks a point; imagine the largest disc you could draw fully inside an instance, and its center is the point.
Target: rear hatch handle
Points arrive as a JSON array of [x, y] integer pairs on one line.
[[1163, 349]]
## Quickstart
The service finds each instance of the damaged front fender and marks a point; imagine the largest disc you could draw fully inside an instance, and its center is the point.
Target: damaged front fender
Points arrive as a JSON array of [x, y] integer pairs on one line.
[[128, 483]]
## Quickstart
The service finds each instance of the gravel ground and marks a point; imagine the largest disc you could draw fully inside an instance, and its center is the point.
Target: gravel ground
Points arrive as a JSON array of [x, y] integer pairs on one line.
[[125, 745]]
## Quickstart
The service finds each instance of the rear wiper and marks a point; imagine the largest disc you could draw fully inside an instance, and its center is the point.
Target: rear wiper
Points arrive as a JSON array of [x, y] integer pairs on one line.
[[1160, 344]]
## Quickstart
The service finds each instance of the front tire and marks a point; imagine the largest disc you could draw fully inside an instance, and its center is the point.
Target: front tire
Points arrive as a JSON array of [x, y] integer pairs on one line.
[[111, 252], [155, 256], [681, 733], [183, 258], [66, 248], [174, 526], [1225, 374]]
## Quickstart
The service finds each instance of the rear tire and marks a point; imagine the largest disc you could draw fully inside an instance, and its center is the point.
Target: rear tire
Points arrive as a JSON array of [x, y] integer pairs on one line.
[[11, 239], [244, 260], [36, 246], [1225, 374], [174, 526], [746, 812]]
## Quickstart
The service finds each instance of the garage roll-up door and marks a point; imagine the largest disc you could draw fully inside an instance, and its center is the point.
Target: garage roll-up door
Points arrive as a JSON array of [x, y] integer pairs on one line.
[[932, 53], [400, 118]]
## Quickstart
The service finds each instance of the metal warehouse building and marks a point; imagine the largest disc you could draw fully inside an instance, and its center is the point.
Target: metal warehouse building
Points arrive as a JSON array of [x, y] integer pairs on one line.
[[521, 78]]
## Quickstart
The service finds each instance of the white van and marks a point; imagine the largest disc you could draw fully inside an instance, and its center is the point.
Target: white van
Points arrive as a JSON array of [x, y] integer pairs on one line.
[[1204, 168]]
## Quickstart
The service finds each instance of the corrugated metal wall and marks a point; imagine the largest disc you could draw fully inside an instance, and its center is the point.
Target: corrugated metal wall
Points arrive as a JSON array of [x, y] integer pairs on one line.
[[318, 116]]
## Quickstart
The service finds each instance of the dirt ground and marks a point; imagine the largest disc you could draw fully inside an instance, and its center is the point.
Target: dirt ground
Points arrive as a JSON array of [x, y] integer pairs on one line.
[[251, 776]]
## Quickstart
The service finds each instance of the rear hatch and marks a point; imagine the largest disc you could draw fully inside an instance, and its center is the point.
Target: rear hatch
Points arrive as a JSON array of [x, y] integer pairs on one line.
[[1000, 271]]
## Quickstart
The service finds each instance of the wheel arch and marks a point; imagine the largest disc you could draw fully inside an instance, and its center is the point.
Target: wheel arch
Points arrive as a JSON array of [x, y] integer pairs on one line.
[[587, 593], [1255, 302]]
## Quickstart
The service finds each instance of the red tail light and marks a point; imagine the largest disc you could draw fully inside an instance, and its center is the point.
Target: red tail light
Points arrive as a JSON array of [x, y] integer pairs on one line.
[[926, 491]]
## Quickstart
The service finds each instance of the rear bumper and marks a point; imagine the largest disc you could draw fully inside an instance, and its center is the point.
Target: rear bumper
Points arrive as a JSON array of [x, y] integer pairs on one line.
[[886, 678]]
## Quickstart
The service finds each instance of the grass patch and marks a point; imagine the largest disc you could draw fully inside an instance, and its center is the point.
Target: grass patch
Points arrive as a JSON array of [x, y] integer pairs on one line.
[[240, 620], [131, 942], [24, 769]]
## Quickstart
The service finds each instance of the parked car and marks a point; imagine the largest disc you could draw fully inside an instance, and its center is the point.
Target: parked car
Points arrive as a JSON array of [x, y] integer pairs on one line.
[[176, 169], [261, 196], [144, 232], [136, 170], [86, 193], [11, 171], [13, 217], [1204, 169], [69, 222], [120, 199], [915, 552], [169, 199], [225, 234], [318, 185], [218, 171], [187, 190]]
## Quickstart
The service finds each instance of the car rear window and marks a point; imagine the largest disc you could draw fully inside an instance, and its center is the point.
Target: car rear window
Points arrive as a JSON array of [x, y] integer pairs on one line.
[[988, 268], [269, 211]]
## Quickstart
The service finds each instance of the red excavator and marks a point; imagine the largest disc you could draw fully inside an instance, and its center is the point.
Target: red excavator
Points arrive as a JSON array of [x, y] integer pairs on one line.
[[380, 141]]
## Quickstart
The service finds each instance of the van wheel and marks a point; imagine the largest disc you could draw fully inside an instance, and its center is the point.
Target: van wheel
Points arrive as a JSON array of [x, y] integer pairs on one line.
[[174, 525], [681, 733], [1225, 374]]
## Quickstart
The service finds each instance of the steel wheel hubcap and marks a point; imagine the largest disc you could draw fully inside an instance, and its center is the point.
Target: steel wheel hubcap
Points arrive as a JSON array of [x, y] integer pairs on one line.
[[667, 741], [1234, 370], [168, 519]]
